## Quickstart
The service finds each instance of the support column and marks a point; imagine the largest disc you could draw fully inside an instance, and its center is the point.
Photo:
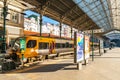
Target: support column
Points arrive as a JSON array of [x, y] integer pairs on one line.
[[7, 39], [41, 24], [60, 28], [84, 49], [92, 46], [4, 26], [71, 33], [99, 48]]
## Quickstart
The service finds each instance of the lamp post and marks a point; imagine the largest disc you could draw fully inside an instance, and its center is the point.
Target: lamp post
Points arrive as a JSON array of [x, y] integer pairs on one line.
[[5, 9]]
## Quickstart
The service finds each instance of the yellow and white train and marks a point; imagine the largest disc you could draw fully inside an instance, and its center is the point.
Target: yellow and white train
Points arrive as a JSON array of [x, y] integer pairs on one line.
[[28, 47], [33, 47]]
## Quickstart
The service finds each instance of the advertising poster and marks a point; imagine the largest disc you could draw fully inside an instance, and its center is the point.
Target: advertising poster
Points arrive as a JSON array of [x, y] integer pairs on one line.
[[87, 47], [79, 47], [22, 44]]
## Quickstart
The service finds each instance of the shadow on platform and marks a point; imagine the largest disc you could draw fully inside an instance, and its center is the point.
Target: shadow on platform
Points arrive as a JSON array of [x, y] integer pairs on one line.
[[52, 68]]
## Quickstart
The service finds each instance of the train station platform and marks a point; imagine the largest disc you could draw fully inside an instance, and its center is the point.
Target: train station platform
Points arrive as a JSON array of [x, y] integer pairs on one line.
[[104, 67]]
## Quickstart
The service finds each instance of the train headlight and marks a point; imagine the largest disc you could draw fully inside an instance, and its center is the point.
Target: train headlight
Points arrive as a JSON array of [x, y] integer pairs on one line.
[[36, 51], [32, 50]]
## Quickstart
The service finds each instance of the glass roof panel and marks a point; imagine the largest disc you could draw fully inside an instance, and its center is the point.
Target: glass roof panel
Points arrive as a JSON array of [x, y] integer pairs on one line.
[[113, 35], [81, 4], [105, 13], [115, 6], [97, 10], [77, 1], [86, 9]]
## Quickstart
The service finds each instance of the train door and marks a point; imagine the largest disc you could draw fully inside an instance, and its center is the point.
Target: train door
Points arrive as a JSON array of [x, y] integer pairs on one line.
[[52, 47]]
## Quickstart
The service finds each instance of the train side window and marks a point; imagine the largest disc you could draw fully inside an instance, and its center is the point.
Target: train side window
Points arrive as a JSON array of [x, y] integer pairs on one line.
[[40, 45], [71, 45], [60, 45], [31, 44], [57, 45], [43, 45], [67, 44], [63, 46]]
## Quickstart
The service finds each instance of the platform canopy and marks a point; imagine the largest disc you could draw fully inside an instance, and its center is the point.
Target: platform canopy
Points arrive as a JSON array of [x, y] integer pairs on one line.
[[80, 14], [65, 11], [105, 13], [114, 33], [98, 11], [115, 9]]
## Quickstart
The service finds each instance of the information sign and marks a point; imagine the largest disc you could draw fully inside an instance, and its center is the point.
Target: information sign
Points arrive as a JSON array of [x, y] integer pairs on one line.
[[94, 31]]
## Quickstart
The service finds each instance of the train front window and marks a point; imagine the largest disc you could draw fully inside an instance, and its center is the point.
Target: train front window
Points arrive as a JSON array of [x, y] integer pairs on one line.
[[31, 43], [16, 45]]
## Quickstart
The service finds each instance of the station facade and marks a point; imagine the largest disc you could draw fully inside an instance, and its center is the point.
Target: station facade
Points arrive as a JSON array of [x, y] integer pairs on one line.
[[14, 22]]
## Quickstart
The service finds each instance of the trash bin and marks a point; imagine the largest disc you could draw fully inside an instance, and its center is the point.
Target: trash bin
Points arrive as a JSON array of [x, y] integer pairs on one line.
[[110, 48], [105, 51]]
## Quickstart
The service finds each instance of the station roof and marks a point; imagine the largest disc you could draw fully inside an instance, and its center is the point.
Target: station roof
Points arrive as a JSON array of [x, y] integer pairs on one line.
[[80, 14], [115, 9], [67, 12], [115, 34], [114, 31]]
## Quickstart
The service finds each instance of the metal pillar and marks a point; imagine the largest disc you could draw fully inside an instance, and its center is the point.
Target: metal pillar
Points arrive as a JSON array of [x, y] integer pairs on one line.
[[41, 24], [92, 46], [99, 48], [60, 28], [5, 8], [71, 33], [84, 49]]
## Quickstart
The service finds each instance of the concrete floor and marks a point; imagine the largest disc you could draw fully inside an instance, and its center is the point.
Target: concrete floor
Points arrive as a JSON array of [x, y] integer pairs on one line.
[[105, 67]]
